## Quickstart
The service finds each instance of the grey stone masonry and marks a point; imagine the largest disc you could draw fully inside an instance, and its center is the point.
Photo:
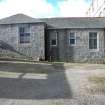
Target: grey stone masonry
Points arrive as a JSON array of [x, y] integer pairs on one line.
[[9, 34], [79, 52]]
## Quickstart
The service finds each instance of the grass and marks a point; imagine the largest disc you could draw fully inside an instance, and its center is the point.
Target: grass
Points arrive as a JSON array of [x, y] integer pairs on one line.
[[97, 79], [97, 84]]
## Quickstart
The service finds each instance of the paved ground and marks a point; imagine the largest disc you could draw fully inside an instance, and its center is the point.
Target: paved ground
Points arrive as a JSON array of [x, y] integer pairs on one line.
[[66, 84]]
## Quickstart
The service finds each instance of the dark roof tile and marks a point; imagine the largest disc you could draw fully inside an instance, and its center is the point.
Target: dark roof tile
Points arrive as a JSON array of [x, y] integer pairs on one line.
[[76, 22], [19, 18]]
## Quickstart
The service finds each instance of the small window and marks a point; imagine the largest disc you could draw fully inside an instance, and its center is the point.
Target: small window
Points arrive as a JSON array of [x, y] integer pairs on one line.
[[93, 40], [24, 34], [54, 40], [72, 39]]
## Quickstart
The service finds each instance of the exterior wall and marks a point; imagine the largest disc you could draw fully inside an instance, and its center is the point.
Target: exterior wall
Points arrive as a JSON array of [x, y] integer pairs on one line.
[[35, 49], [80, 52], [96, 9]]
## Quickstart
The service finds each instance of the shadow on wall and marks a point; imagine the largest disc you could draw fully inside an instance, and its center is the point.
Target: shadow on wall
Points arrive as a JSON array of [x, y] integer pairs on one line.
[[71, 58], [5, 46], [55, 86], [69, 54]]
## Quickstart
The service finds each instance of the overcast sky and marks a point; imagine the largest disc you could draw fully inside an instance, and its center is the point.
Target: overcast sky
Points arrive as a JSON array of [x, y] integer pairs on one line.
[[44, 8]]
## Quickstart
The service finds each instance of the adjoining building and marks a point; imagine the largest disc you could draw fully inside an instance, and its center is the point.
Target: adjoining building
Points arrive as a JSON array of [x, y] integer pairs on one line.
[[96, 9], [57, 39]]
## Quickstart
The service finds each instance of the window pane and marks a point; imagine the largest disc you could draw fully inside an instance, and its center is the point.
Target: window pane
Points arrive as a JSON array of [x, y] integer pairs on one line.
[[21, 39], [72, 41], [72, 38], [92, 40], [21, 34], [27, 39], [95, 44], [53, 42], [93, 35], [21, 29], [24, 39], [91, 44]]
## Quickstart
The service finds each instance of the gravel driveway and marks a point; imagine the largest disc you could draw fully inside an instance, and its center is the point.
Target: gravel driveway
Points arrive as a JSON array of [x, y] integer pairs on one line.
[[66, 84]]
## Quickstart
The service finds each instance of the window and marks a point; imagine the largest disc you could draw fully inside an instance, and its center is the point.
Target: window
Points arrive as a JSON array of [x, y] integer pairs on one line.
[[93, 40], [54, 39], [24, 34], [72, 38], [53, 42]]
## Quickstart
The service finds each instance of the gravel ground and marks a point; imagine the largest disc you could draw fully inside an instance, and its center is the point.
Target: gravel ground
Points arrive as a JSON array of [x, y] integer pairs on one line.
[[66, 87]]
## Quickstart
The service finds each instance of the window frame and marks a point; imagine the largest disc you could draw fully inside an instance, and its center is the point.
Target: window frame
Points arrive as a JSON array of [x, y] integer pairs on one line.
[[24, 36], [97, 49], [56, 39], [72, 38]]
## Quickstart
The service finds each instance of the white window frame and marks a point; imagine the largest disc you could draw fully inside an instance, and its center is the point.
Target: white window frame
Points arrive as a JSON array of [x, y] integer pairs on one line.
[[54, 39], [94, 50], [74, 37], [24, 26]]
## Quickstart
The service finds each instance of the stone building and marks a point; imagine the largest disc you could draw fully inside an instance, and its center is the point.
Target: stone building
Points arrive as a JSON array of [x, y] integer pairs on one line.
[[96, 9], [56, 39]]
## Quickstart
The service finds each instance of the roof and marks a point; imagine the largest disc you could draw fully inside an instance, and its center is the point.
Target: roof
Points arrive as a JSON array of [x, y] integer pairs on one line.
[[75, 22], [58, 23], [19, 18]]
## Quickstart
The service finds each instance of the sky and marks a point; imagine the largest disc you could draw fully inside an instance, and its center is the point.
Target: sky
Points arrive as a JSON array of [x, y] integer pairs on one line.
[[44, 8]]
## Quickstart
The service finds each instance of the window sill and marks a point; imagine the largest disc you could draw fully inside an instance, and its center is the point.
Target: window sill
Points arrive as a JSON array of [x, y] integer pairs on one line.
[[24, 44], [72, 45], [93, 50], [53, 45]]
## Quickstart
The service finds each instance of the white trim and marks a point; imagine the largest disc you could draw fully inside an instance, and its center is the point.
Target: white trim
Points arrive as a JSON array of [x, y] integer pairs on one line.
[[94, 50], [98, 39], [74, 37]]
